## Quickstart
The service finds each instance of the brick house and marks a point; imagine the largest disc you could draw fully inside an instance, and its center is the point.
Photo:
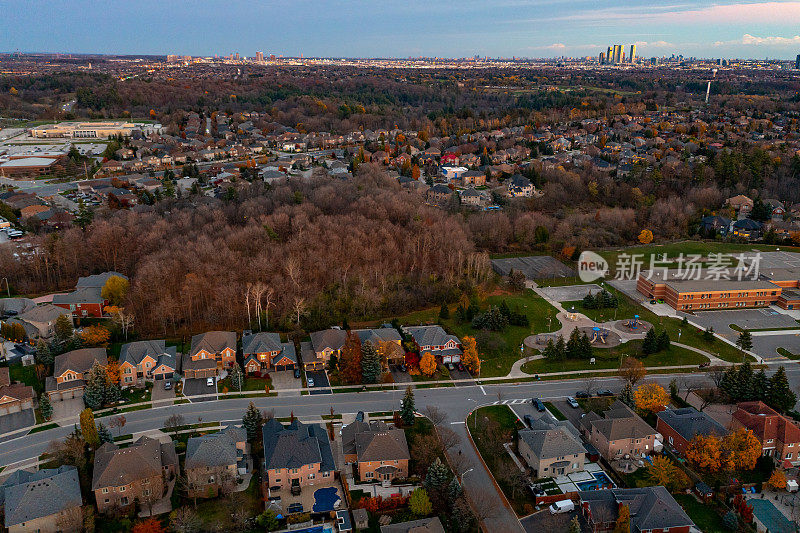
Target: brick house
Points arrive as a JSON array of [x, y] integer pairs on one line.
[[215, 461], [13, 397], [379, 451], [330, 342], [145, 361], [619, 431], [296, 456], [141, 472], [552, 449], [210, 352], [779, 435], [265, 351], [446, 348], [679, 426], [70, 371], [86, 299], [47, 501], [652, 510], [40, 321]]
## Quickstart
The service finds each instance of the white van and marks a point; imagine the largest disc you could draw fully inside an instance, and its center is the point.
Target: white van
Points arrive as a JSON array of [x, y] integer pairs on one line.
[[563, 506]]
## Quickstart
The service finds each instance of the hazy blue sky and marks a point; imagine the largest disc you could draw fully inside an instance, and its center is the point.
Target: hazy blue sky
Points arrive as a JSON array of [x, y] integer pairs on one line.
[[402, 28]]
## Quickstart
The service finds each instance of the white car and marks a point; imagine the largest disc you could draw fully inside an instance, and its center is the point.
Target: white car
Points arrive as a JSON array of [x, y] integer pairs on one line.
[[310, 381], [210, 382]]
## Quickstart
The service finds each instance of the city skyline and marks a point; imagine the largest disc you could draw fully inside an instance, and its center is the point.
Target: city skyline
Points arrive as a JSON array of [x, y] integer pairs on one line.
[[510, 28]]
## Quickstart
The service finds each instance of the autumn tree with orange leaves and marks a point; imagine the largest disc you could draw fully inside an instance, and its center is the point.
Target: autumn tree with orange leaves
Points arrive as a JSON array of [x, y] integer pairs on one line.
[[95, 335], [350, 359], [650, 397], [741, 450], [427, 364], [470, 357], [151, 525], [113, 371], [705, 452]]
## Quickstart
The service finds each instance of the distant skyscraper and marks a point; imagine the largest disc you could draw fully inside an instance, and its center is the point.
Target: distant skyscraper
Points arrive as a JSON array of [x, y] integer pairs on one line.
[[633, 53], [602, 58], [260, 57], [617, 53], [609, 56], [797, 62]]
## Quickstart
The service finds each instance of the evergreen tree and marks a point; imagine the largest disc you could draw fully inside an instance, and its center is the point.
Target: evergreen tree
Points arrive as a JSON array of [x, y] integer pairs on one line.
[[663, 341], [444, 312], [561, 348], [84, 216], [43, 354], [251, 422], [437, 477], [63, 329], [708, 335], [472, 311], [588, 301], [744, 382], [650, 344], [237, 377], [728, 382], [745, 341], [88, 427], [781, 396], [94, 392], [454, 491], [45, 407], [585, 347], [419, 503], [461, 313], [407, 408], [761, 386], [549, 351], [104, 434], [504, 310], [112, 392], [626, 396], [345, 324], [574, 346], [370, 363]]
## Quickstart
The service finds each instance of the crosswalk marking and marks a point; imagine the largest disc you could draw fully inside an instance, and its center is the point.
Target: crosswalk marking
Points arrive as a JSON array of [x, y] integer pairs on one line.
[[510, 402]]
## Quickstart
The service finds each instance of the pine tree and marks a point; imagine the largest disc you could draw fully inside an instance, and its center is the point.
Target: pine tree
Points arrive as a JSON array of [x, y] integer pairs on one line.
[[626, 396], [45, 407], [444, 312], [585, 347], [407, 408], [454, 491], [63, 329], [728, 383], [781, 396], [104, 434], [345, 324], [437, 477], [504, 310], [588, 301], [43, 354], [95, 391], [708, 335], [88, 427], [370, 363], [745, 341], [744, 382], [650, 344], [461, 313], [251, 422], [761, 386], [237, 377], [561, 348], [663, 341], [574, 345], [550, 352], [419, 503], [112, 393]]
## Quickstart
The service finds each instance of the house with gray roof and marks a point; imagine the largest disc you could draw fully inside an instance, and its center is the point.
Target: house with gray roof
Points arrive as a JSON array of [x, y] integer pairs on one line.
[[551, 449], [423, 525], [679, 426], [48, 500], [264, 351], [70, 371], [40, 321], [210, 352], [330, 342], [296, 456], [215, 462], [434, 339], [620, 431], [144, 361], [86, 299], [379, 451], [652, 509]]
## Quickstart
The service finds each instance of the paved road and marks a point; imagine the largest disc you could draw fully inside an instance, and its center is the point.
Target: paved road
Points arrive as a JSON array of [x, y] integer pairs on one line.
[[457, 402]]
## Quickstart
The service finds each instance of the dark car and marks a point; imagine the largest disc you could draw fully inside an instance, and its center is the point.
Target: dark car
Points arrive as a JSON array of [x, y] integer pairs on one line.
[[403, 367], [297, 373], [605, 392], [538, 404], [528, 420], [460, 366], [582, 394]]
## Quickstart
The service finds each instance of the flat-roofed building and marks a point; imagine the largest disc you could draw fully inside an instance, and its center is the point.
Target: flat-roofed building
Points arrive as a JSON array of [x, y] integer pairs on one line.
[[90, 130], [30, 166]]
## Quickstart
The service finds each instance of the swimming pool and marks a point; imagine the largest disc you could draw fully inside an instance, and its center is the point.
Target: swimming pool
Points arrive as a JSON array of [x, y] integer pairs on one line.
[[601, 481]]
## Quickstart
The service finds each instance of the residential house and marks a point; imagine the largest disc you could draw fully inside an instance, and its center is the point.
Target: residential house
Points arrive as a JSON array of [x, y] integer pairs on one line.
[[46, 501], [145, 361], [215, 461], [552, 449], [423, 525], [141, 472], [519, 186], [86, 299], [296, 456], [473, 178], [379, 451], [473, 198], [438, 194], [747, 229], [446, 348], [210, 352], [265, 351], [652, 510], [679, 426], [740, 204], [39, 322], [778, 434], [330, 342], [14, 397], [70, 371], [618, 432], [713, 224]]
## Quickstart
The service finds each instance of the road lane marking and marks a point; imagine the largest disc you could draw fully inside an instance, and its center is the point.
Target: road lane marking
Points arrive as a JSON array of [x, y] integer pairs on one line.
[[483, 390], [457, 422]]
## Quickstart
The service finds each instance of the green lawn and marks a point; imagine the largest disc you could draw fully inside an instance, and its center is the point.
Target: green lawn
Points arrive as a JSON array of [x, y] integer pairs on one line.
[[703, 515], [786, 353], [250, 384], [611, 358], [215, 513], [555, 411], [485, 435], [136, 395]]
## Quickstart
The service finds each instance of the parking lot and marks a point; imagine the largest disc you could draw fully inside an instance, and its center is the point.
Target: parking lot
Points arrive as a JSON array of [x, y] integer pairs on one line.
[[570, 293], [196, 387], [746, 319], [321, 382], [533, 266]]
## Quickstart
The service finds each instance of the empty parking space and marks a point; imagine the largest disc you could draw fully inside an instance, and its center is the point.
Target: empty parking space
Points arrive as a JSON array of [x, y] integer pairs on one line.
[[285, 383], [744, 318], [570, 293], [534, 267], [197, 387], [399, 376]]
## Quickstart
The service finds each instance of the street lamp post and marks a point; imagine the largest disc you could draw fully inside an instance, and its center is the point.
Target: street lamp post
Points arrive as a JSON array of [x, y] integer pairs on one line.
[[475, 413], [464, 474]]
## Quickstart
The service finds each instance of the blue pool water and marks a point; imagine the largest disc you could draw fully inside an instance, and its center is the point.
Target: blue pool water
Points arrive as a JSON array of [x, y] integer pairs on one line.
[[601, 480], [325, 499]]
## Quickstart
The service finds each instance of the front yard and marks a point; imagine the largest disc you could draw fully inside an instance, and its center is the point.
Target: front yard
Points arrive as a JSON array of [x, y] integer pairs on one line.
[[250, 383]]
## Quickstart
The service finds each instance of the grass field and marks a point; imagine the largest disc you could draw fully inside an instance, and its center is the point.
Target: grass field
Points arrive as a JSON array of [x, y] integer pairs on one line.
[[704, 516]]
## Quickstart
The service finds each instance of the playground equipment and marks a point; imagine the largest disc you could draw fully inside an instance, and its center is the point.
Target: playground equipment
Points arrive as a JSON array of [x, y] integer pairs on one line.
[[572, 315], [599, 334], [633, 323]]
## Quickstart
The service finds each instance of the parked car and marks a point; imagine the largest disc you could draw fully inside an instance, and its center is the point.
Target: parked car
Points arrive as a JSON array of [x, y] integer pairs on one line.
[[403, 367], [296, 373], [310, 381], [572, 402], [528, 420], [583, 394], [460, 366], [209, 382], [450, 366], [605, 392], [538, 404], [563, 506], [168, 384]]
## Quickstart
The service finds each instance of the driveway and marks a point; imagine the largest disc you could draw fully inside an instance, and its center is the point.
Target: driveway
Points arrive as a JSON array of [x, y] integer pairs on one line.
[[197, 386], [16, 421], [283, 380], [399, 376], [159, 394], [572, 414], [544, 521], [321, 382], [66, 411], [456, 374]]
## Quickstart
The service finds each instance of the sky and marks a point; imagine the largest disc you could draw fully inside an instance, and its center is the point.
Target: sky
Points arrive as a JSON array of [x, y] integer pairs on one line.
[[403, 28]]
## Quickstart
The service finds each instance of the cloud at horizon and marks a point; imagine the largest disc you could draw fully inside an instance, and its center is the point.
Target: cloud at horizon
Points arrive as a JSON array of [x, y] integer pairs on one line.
[[356, 28]]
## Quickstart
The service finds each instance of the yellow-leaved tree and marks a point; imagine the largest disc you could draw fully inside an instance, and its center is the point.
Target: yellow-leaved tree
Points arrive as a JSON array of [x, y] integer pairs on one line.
[[470, 357], [651, 397], [427, 364], [741, 450], [664, 472], [705, 452], [646, 236], [95, 335]]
